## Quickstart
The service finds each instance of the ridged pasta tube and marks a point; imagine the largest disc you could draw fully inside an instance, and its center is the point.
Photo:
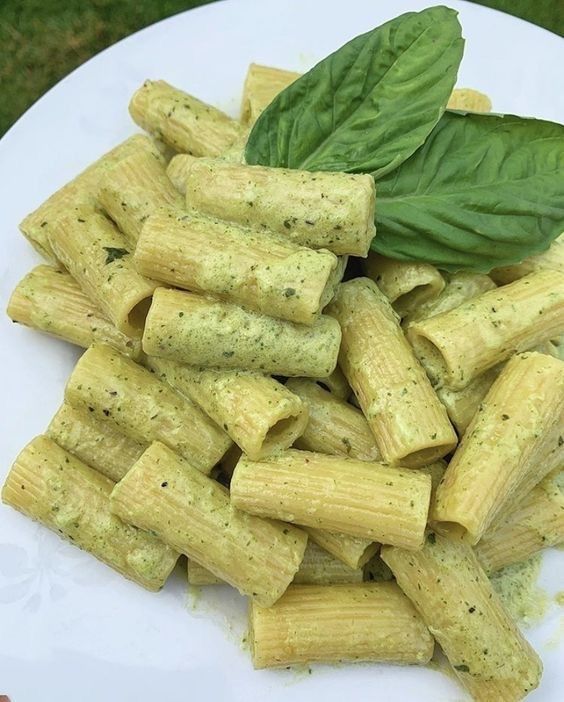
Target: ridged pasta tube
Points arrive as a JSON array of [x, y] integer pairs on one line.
[[114, 389], [457, 602], [51, 301], [262, 85], [334, 426], [469, 100], [459, 345], [260, 271], [330, 623], [134, 188], [98, 444], [409, 422], [96, 254], [369, 500], [551, 259], [201, 331], [256, 411], [535, 523], [181, 120], [332, 211], [406, 284], [502, 455], [163, 493], [353, 551], [51, 486], [80, 191]]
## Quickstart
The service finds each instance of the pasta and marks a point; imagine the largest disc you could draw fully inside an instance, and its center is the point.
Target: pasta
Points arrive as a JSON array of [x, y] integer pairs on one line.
[[98, 444], [163, 493], [261, 272], [500, 457], [369, 500], [405, 415], [332, 211], [406, 284], [551, 259], [353, 551], [81, 191], [362, 622], [262, 85], [135, 188], [457, 602], [50, 300], [95, 253], [459, 345], [181, 120], [336, 384], [113, 389], [470, 100], [53, 487], [334, 426], [259, 414], [535, 523], [193, 329]]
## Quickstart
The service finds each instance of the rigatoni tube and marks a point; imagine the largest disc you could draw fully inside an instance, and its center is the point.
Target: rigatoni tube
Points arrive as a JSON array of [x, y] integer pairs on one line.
[[262, 85], [369, 500], [469, 100], [256, 411], [97, 256], [406, 284], [135, 188], [502, 453], [51, 301], [80, 191], [334, 426], [457, 602], [535, 523], [332, 211], [459, 345], [98, 444], [408, 421], [259, 271], [354, 551], [114, 389], [51, 486], [181, 120], [330, 623], [551, 259], [201, 331], [165, 494]]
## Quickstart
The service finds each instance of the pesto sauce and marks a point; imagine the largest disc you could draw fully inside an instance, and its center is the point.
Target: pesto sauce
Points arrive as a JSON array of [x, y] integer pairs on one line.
[[517, 586]]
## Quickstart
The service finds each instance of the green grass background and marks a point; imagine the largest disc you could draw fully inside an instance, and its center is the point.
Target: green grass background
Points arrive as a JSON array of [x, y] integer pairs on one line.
[[41, 41]]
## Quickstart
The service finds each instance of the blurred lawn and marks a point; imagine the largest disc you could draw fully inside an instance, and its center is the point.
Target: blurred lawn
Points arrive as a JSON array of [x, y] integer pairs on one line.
[[43, 40]]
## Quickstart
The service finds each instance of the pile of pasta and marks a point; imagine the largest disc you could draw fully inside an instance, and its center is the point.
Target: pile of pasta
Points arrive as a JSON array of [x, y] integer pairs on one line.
[[354, 457]]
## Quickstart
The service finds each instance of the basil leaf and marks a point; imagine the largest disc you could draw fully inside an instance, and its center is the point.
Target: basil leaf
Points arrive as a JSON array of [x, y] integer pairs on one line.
[[483, 191], [368, 106]]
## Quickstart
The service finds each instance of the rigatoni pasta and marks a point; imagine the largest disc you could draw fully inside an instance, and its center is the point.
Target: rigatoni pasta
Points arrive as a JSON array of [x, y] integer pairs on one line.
[[259, 271], [334, 426], [503, 452], [98, 444], [53, 487], [114, 389], [181, 120], [551, 259], [353, 551], [163, 493], [332, 211], [134, 188], [329, 623], [97, 256], [406, 284], [459, 345], [457, 602], [82, 191], [408, 421], [259, 414], [201, 331], [533, 524], [365, 499], [262, 85], [51, 301]]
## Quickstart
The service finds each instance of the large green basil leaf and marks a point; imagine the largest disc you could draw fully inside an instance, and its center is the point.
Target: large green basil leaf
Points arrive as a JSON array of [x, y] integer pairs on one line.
[[483, 191], [368, 106]]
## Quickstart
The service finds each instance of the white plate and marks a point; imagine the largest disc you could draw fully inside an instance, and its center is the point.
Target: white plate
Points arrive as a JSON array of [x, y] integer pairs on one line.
[[70, 629]]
